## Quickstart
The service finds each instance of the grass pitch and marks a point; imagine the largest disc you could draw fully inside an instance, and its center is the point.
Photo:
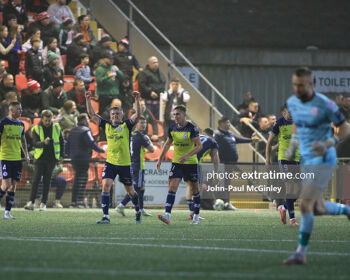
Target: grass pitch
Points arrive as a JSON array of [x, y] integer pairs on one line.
[[68, 244]]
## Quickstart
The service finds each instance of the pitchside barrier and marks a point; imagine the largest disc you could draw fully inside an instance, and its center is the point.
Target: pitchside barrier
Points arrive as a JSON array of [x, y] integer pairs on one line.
[[246, 185]]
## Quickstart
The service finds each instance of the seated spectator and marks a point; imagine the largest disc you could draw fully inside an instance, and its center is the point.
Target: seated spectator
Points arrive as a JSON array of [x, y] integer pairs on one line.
[[6, 85], [18, 9], [247, 97], [11, 96], [37, 6], [345, 107], [125, 94], [54, 97], [83, 72], [34, 63], [60, 11], [15, 52], [77, 94], [108, 79], [83, 26], [52, 46], [65, 35], [36, 33], [31, 100], [47, 28], [51, 69], [152, 84], [251, 116], [74, 51], [5, 47], [102, 47], [176, 95], [67, 118], [125, 60]]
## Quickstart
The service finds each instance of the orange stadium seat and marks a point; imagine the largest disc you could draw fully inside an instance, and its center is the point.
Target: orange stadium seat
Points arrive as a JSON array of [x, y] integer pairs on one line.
[[36, 121], [103, 145], [160, 129], [92, 177], [100, 167], [169, 156], [1, 17], [27, 122], [64, 60], [21, 82], [68, 82], [156, 154], [68, 173], [94, 128], [96, 105]]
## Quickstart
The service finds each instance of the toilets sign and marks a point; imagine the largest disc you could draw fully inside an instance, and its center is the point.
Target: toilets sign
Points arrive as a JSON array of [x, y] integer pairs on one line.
[[331, 81]]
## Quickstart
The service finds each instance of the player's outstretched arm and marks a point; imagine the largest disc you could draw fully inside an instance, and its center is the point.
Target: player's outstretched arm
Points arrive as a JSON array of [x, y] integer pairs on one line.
[[268, 148], [165, 149], [137, 113], [90, 110], [196, 149]]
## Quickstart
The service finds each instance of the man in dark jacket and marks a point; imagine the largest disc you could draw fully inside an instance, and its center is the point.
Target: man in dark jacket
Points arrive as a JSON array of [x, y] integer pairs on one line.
[[80, 146], [31, 100], [151, 85], [7, 85], [17, 8], [251, 116], [74, 52], [54, 97], [34, 63], [48, 29], [102, 47]]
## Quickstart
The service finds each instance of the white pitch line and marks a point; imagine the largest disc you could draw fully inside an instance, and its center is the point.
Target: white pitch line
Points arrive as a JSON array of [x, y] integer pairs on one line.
[[245, 250]]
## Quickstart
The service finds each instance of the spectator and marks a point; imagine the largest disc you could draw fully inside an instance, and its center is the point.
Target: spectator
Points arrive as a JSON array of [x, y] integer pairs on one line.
[[51, 69], [77, 94], [60, 11], [74, 51], [47, 28], [10, 21], [11, 96], [36, 33], [52, 46], [125, 94], [83, 72], [125, 60], [15, 52], [18, 9], [37, 6], [31, 100], [272, 120], [6, 85], [116, 102], [102, 47], [251, 116], [345, 107], [247, 98], [80, 146], [152, 84], [5, 47], [83, 26], [2, 70], [34, 63], [265, 129], [176, 95], [54, 97], [68, 115], [65, 35], [108, 79]]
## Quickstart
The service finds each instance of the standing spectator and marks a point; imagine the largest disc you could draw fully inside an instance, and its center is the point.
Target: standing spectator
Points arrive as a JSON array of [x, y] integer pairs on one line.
[[80, 146], [6, 85], [34, 62], [83, 72], [345, 107], [74, 51], [125, 60], [54, 97], [16, 51], [152, 84], [65, 35], [5, 47], [251, 116], [31, 100], [52, 46], [102, 47], [51, 70], [10, 21], [37, 6], [77, 94], [83, 26], [108, 78], [10, 97], [35, 34], [47, 28], [125, 94], [17, 8], [67, 118], [247, 97], [60, 11], [176, 95], [265, 129], [49, 149]]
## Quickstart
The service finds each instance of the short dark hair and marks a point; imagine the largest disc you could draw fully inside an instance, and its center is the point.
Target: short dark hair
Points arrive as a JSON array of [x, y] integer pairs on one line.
[[82, 117], [208, 131], [303, 72], [181, 108], [14, 103], [141, 118], [84, 55], [80, 18], [11, 16], [223, 120]]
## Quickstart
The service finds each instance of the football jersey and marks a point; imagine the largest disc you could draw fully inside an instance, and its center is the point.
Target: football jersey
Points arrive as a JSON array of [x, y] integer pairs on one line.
[[11, 132], [208, 144], [138, 144]]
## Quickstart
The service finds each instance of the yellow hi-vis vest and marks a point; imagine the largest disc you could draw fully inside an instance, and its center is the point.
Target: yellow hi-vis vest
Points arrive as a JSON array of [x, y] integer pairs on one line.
[[56, 131]]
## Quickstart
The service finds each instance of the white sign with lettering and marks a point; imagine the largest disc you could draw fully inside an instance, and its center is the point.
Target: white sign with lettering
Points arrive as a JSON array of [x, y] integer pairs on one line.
[[331, 81]]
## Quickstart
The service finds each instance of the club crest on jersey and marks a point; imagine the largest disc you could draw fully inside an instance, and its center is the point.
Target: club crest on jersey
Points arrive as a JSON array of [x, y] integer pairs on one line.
[[119, 129], [21, 129], [314, 111], [185, 136]]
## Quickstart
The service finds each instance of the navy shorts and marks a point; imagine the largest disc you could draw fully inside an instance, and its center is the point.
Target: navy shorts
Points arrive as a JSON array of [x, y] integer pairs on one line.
[[138, 176], [283, 164], [111, 171], [189, 172], [11, 169]]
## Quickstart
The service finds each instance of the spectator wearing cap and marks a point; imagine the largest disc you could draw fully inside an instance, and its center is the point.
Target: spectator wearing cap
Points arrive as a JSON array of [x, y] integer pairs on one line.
[[16, 8], [65, 35], [51, 70], [52, 47], [151, 85], [34, 62], [77, 94], [31, 99], [74, 51], [83, 72], [125, 60], [36, 34], [47, 28], [60, 11], [83, 26], [54, 97], [67, 118], [108, 79], [102, 47], [6, 85]]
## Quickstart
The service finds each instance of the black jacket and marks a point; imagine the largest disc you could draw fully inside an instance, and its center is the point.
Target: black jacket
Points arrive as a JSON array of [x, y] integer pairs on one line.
[[34, 66], [73, 56], [50, 73], [4, 90], [151, 81], [125, 62], [21, 16], [30, 103]]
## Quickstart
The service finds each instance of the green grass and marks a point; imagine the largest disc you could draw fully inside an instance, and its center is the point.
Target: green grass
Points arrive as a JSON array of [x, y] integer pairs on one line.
[[68, 244]]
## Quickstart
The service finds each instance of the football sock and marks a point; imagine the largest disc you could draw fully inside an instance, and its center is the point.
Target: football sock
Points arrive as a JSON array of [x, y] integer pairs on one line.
[[336, 208], [105, 197], [135, 201], [290, 207], [190, 205], [125, 200], [196, 203], [306, 225], [10, 200], [141, 195], [170, 199]]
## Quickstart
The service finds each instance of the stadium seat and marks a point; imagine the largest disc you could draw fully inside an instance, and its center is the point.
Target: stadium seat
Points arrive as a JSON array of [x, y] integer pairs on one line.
[[94, 128], [27, 122], [21, 82], [68, 173], [36, 121], [100, 167], [160, 129], [68, 82], [156, 154], [1, 18], [92, 86], [92, 177], [169, 156], [64, 60], [103, 145], [96, 105], [150, 129]]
